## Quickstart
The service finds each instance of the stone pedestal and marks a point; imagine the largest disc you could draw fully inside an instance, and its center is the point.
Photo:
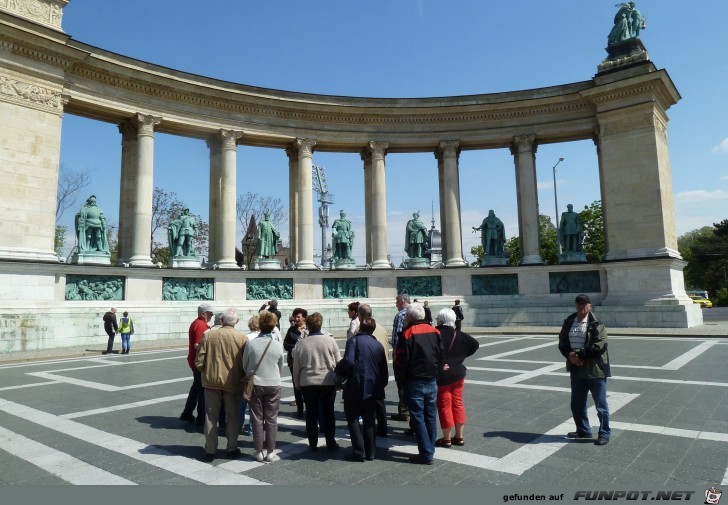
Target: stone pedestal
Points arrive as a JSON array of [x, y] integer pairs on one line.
[[91, 258], [572, 257], [267, 264], [493, 261], [186, 262], [344, 264], [417, 263]]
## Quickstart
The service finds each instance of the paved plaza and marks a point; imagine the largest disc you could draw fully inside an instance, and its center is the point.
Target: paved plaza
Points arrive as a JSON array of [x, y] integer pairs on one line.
[[113, 419]]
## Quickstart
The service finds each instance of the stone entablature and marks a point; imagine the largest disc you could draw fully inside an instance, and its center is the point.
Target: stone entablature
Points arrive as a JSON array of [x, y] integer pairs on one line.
[[45, 12]]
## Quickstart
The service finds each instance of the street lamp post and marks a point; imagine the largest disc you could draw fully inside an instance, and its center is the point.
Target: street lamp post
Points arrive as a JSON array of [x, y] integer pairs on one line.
[[556, 204]]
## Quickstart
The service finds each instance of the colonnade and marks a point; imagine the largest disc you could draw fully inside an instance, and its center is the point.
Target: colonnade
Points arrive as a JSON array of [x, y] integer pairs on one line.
[[137, 187]]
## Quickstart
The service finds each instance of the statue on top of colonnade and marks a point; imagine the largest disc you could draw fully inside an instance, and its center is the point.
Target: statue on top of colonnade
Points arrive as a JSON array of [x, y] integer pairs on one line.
[[93, 244], [627, 24]]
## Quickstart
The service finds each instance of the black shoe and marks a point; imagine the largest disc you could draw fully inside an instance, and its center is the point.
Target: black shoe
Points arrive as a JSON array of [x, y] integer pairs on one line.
[[382, 434], [369, 459], [333, 447], [409, 433], [209, 457], [299, 415], [601, 441], [419, 460], [578, 434], [235, 453], [354, 458], [186, 416], [312, 448], [400, 417]]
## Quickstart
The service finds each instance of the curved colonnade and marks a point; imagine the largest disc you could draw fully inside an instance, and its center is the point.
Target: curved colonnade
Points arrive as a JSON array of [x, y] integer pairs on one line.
[[45, 74]]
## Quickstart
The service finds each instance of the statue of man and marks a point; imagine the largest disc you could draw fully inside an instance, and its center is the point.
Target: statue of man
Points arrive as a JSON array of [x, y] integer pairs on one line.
[[268, 238], [343, 237], [492, 236], [627, 24], [180, 234], [571, 230], [91, 228], [415, 237]]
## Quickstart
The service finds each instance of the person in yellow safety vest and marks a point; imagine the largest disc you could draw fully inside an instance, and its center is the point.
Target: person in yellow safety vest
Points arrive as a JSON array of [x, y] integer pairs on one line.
[[126, 328]]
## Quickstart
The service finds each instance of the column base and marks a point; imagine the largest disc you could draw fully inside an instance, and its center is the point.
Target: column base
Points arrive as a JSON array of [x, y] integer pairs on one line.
[[306, 265], [223, 264], [381, 265], [20, 253], [141, 261], [646, 253], [532, 260], [456, 263]]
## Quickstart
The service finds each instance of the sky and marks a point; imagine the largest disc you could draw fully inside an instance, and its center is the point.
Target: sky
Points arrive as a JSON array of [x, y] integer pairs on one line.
[[409, 48]]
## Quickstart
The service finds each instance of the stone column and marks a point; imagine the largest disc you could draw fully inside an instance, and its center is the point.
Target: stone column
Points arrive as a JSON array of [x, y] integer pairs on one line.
[[366, 157], [451, 204], [128, 186], [524, 151], [213, 240], [141, 212], [304, 240], [441, 193], [226, 220], [292, 153], [379, 206]]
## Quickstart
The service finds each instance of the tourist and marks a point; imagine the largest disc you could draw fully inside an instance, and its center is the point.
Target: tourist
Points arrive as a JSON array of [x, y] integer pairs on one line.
[[365, 311], [428, 311], [295, 333], [365, 364], [314, 360], [353, 329], [417, 361], [111, 328], [459, 316], [450, 407], [264, 355], [254, 327], [402, 301], [196, 396], [220, 362], [583, 342], [126, 328]]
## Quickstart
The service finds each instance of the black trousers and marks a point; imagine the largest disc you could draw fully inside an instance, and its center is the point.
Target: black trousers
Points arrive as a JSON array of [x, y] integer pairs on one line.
[[362, 442], [298, 395], [196, 398], [110, 343], [381, 418], [313, 397]]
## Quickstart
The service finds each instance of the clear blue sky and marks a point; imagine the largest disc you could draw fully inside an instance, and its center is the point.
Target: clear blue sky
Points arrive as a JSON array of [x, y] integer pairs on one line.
[[411, 48]]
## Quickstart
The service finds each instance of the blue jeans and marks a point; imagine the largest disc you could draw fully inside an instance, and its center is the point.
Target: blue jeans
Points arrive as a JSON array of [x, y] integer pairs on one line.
[[580, 388], [125, 341], [422, 402]]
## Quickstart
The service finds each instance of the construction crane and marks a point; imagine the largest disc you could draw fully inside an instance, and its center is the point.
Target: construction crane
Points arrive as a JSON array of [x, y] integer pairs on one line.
[[325, 199]]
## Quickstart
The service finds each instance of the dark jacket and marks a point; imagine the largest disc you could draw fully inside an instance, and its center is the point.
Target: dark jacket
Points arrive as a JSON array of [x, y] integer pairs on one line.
[[457, 346], [458, 312], [418, 354], [365, 362], [594, 353], [293, 335], [277, 312], [428, 314], [110, 325]]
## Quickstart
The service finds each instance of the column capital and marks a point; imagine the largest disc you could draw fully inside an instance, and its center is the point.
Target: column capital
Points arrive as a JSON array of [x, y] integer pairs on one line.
[[305, 147], [449, 148], [228, 138], [378, 149], [366, 156], [523, 144], [129, 130], [146, 123], [292, 152]]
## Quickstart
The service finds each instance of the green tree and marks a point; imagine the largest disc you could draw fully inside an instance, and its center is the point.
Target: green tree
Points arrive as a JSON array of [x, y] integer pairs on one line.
[[709, 259], [478, 252], [547, 239], [70, 182], [695, 270], [593, 222], [513, 246]]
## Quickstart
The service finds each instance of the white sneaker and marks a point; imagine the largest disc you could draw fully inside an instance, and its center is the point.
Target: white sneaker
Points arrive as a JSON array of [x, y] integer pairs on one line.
[[258, 455], [271, 457]]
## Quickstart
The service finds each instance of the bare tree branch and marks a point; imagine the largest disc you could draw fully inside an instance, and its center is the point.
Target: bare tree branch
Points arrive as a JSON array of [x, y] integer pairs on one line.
[[252, 204], [70, 182]]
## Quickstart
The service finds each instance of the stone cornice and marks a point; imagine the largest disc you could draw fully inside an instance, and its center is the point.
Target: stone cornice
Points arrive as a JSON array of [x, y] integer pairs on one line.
[[655, 86], [26, 93]]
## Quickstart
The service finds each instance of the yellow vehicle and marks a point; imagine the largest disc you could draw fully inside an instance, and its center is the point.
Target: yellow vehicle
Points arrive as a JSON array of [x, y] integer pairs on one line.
[[703, 302]]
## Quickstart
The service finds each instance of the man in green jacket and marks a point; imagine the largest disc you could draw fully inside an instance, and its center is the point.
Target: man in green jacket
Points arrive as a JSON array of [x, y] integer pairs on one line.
[[583, 342]]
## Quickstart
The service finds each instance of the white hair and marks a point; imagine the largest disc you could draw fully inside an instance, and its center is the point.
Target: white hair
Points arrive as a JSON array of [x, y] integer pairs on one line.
[[415, 312], [230, 317], [446, 317]]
